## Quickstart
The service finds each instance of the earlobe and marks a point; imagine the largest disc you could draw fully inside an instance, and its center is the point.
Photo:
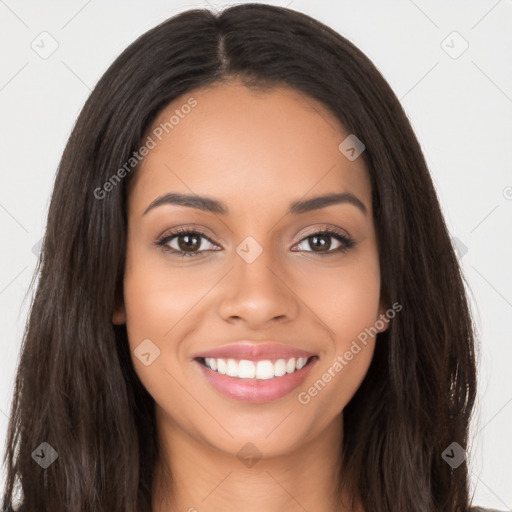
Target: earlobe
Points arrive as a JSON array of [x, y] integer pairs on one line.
[[119, 316], [382, 321]]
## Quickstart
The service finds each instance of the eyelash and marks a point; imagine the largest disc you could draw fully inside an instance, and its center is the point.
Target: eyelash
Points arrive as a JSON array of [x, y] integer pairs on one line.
[[162, 242]]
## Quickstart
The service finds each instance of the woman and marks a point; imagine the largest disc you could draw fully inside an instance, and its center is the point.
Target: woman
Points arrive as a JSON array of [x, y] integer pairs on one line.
[[248, 298]]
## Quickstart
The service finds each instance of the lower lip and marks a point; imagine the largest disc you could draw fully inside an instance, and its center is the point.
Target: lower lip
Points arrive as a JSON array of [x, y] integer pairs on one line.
[[254, 390]]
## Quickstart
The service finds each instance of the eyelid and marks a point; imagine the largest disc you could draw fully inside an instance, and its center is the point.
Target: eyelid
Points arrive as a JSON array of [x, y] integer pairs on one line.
[[325, 227], [311, 230], [187, 228], [340, 235], [175, 232], [346, 241]]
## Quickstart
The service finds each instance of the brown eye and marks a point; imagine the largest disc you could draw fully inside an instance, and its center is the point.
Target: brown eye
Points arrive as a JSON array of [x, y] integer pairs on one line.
[[186, 242], [320, 242], [189, 242]]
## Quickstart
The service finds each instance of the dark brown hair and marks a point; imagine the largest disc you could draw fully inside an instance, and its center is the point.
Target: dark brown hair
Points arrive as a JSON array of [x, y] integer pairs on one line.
[[76, 388]]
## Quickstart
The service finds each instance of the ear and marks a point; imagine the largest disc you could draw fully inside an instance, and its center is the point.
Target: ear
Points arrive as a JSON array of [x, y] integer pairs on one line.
[[119, 314], [382, 320]]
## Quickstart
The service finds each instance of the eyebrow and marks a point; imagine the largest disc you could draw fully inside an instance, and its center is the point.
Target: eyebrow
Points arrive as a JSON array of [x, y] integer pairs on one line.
[[210, 205]]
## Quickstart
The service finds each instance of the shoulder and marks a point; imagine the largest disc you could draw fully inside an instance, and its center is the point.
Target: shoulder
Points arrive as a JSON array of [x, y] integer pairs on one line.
[[481, 509]]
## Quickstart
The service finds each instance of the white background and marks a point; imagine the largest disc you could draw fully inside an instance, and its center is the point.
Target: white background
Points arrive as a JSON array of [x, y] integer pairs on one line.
[[460, 110]]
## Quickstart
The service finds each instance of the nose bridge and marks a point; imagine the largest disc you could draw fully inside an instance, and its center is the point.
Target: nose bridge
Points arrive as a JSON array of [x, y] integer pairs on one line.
[[256, 291], [254, 261]]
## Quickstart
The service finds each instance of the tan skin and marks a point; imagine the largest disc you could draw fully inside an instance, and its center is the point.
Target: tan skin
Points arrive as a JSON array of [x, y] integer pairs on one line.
[[256, 152]]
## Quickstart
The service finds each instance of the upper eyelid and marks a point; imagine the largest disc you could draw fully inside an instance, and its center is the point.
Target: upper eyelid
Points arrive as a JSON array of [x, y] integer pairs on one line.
[[329, 230]]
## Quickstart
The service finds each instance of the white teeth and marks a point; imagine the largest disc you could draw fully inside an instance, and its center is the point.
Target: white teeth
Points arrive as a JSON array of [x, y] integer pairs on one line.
[[301, 362], [221, 366], [246, 369], [232, 368], [279, 367], [264, 370], [260, 370]]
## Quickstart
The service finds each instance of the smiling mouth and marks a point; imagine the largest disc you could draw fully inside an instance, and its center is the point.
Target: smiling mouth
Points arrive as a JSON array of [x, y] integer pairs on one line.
[[264, 369]]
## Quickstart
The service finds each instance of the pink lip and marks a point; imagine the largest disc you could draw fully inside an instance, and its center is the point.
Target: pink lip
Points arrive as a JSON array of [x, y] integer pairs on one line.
[[253, 390], [255, 352]]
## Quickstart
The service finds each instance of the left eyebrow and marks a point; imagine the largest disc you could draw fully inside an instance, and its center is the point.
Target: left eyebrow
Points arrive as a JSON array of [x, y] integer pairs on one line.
[[207, 204], [316, 203]]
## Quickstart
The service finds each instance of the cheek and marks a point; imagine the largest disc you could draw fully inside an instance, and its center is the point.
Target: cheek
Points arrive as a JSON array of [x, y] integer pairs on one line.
[[347, 304], [157, 304], [345, 299], [162, 302], [158, 296]]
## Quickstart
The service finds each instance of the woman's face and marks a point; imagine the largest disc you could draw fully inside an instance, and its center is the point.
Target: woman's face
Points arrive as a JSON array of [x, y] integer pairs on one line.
[[259, 285]]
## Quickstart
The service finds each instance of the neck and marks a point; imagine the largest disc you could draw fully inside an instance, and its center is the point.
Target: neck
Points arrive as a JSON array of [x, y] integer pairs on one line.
[[192, 476]]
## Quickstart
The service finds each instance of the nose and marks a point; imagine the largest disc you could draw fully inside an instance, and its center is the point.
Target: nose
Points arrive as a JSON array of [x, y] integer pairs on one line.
[[258, 293]]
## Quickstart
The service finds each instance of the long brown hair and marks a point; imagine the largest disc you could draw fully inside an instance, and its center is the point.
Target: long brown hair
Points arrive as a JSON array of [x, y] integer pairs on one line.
[[76, 388]]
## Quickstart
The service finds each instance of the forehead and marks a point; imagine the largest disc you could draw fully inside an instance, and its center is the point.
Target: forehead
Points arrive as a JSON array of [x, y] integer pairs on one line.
[[249, 148]]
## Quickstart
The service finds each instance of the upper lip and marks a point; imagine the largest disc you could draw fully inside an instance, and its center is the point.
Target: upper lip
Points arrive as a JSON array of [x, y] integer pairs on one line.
[[254, 351]]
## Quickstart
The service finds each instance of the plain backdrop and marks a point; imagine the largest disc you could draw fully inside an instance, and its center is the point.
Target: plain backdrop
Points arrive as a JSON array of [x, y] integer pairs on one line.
[[448, 63]]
